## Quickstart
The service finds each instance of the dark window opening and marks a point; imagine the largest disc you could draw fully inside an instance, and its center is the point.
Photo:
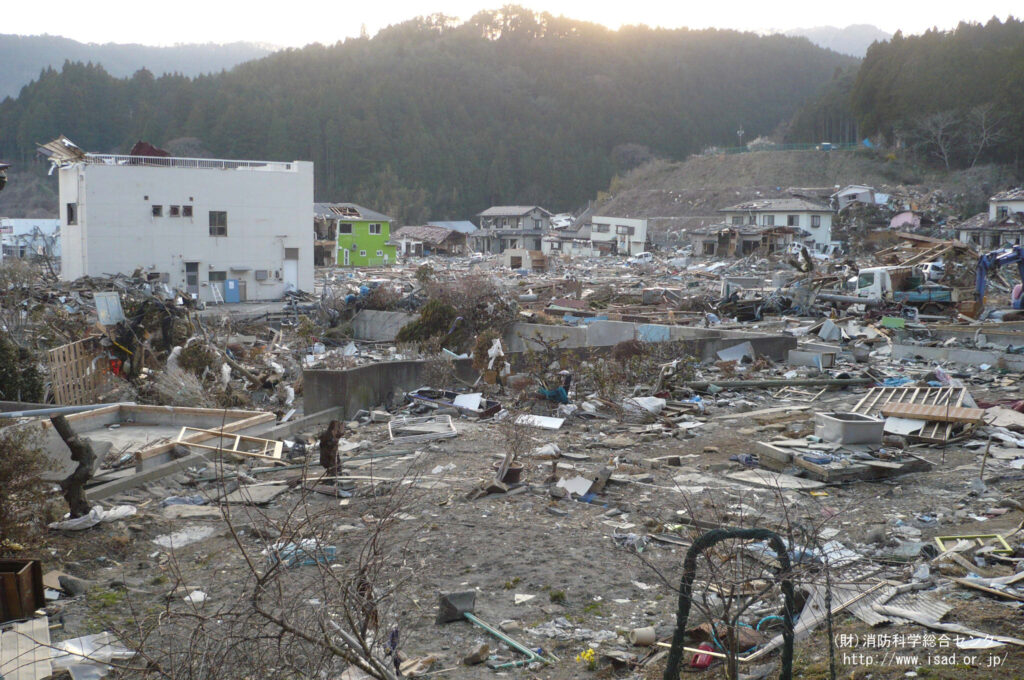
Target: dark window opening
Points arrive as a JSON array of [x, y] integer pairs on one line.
[[175, 211], [218, 223], [72, 211], [158, 211]]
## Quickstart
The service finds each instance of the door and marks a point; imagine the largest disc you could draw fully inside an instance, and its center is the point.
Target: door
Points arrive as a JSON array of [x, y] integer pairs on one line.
[[231, 293], [291, 268], [192, 278], [345, 257]]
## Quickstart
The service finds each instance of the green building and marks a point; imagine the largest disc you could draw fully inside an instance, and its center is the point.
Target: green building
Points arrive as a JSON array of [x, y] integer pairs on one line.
[[349, 235]]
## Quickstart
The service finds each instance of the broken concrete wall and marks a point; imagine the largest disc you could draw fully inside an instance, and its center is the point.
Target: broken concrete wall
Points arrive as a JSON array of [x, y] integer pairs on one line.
[[379, 326], [368, 386]]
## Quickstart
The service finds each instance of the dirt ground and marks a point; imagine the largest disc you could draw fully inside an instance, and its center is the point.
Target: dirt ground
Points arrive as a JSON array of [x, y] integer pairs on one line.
[[588, 588]]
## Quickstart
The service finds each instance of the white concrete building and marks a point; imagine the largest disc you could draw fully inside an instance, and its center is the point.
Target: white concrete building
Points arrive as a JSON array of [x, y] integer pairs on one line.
[[1005, 204], [812, 218], [240, 227], [628, 235]]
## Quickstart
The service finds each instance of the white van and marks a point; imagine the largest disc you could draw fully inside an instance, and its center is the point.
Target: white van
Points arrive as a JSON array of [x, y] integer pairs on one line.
[[642, 258]]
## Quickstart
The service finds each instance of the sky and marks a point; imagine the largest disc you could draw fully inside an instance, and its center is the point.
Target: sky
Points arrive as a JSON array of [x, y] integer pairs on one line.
[[299, 22]]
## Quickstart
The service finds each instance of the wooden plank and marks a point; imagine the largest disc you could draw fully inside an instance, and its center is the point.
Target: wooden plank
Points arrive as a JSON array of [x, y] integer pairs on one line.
[[937, 412], [966, 582]]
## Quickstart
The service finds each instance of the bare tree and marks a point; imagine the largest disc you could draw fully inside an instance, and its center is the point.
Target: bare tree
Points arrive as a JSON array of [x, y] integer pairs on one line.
[[983, 128], [935, 134]]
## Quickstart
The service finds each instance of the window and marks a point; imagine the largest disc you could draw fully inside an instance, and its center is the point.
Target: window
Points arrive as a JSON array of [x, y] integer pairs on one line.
[[362, 253], [709, 247], [792, 220], [380, 253], [625, 231], [186, 211], [375, 229], [158, 211], [536, 224], [737, 220], [175, 211], [260, 274], [751, 219], [769, 220], [344, 228], [218, 223], [815, 221], [291, 253], [218, 277], [1001, 212], [165, 277], [602, 228], [72, 212]]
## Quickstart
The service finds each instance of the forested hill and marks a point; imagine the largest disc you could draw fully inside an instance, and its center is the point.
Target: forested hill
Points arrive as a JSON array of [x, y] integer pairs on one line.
[[433, 119], [956, 96], [24, 56]]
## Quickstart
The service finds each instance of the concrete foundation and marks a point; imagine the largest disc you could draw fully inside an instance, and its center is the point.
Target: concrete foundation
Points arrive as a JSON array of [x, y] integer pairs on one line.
[[956, 355]]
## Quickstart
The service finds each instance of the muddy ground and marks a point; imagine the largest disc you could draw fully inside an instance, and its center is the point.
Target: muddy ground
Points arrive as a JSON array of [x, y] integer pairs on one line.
[[588, 588]]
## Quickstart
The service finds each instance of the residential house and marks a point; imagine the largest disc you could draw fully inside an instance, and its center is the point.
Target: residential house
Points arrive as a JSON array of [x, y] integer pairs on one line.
[[1006, 203], [511, 226], [985, 234], [521, 258], [462, 226], [361, 235], [857, 193], [569, 243], [427, 240], [619, 235], [812, 218], [725, 240], [229, 230], [29, 238]]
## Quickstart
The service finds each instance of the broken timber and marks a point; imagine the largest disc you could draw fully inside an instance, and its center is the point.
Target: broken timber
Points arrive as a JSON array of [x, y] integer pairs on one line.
[[258, 448], [933, 431]]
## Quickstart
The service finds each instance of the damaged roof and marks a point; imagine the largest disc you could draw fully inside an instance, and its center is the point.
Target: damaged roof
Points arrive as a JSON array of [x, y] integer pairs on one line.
[[427, 234], [347, 211], [462, 226], [511, 211], [1009, 195], [778, 205]]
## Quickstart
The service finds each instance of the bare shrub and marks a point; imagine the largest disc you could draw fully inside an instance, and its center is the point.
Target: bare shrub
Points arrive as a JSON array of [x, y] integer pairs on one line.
[[23, 512]]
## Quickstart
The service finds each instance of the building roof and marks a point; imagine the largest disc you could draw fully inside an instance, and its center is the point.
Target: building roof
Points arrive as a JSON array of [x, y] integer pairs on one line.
[[779, 205], [743, 230], [511, 211], [462, 226], [347, 212], [569, 234], [1009, 195], [857, 188], [427, 234]]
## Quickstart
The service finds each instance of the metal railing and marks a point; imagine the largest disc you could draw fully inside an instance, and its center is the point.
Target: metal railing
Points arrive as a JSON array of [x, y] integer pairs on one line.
[[201, 163]]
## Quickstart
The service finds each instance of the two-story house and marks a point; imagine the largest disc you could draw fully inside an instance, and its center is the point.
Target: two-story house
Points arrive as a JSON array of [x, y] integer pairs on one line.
[[511, 226], [618, 235], [812, 218], [360, 235], [1001, 226]]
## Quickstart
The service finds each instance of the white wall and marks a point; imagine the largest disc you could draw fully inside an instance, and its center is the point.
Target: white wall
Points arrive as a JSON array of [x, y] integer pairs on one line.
[[268, 209], [1012, 207]]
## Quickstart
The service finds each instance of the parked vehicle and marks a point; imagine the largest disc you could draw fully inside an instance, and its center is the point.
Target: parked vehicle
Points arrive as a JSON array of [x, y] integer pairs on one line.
[[642, 258]]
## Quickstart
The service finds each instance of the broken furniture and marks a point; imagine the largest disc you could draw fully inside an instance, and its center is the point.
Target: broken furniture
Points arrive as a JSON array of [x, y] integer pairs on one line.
[[21, 589], [456, 606], [848, 428]]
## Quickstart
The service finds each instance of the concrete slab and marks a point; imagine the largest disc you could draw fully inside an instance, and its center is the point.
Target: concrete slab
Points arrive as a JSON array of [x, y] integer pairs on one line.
[[956, 355]]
